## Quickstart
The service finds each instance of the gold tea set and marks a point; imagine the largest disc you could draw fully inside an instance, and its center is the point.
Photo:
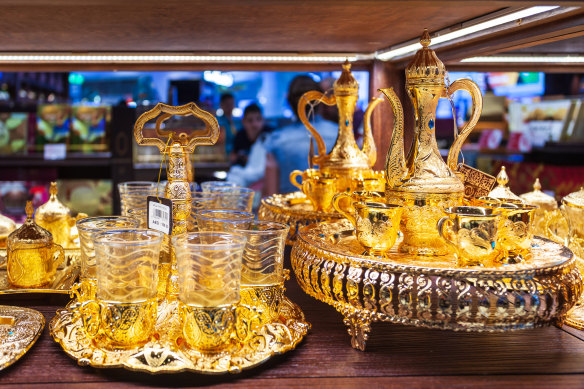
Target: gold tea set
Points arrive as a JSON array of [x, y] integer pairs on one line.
[[207, 301], [439, 247], [426, 242]]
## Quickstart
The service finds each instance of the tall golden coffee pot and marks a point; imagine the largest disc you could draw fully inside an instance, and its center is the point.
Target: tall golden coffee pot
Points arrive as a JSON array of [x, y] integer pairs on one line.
[[346, 158], [423, 182]]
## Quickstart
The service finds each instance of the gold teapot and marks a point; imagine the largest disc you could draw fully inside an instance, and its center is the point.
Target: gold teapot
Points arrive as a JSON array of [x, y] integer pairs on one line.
[[55, 217], [423, 182], [345, 159]]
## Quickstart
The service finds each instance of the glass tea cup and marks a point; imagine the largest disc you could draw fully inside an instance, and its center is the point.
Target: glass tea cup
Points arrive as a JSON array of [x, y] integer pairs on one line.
[[473, 233], [376, 224], [133, 194], [209, 268], [211, 186], [221, 219], [123, 313], [232, 198], [262, 271], [199, 201], [88, 228], [140, 214]]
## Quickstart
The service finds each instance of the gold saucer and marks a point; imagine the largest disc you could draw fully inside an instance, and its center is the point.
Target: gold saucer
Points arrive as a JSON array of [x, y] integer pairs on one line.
[[433, 292], [166, 352], [19, 329], [295, 210]]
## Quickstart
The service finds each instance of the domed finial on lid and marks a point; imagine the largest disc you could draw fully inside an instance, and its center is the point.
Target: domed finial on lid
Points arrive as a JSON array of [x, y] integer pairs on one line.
[[502, 191], [53, 189], [346, 85], [29, 209], [537, 197], [425, 39], [537, 185], [502, 177]]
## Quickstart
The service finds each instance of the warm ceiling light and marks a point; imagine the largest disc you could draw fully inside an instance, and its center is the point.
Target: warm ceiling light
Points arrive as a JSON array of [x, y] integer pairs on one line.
[[180, 58], [399, 51], [527, 59]]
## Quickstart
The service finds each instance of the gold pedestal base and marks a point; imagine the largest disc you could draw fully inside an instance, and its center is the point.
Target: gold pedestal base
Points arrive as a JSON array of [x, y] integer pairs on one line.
[[432, 292]]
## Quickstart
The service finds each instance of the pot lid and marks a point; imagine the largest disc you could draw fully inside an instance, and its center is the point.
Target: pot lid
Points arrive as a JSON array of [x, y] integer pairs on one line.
[[537, 197], [502, 191], [575, 198]]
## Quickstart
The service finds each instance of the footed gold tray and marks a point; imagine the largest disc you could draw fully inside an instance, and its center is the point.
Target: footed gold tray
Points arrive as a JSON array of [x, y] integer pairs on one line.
[[64, 278], [19, 330], [293, 209], [166, 353], [432, 293]]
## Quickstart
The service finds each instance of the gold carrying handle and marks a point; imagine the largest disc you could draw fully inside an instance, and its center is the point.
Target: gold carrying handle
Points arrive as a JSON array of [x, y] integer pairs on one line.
[[477, 108], [336, 205], [188, 142], [304, 100], [293, 179], [441, 225], [369, 148]]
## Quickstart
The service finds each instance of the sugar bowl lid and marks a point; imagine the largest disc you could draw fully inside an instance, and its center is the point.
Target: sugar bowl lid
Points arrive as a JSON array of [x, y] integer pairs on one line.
[[502, 191], [575, 199], [7, 225], [53, 209], [539, 198], [30, 233]]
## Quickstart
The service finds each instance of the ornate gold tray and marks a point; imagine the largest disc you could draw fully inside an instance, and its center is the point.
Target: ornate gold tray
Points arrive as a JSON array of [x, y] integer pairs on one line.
[[19, 330], [64, 278], [295, 210], [165, 353], [412, 290]]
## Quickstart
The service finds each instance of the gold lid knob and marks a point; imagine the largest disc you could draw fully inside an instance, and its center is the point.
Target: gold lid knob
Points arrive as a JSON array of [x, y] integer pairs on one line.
[[29, 209], [502, 177], [53, 189], [537, 185], [425, 39]]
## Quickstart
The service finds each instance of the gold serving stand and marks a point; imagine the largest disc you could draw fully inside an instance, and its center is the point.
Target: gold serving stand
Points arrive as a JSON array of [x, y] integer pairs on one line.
[[295, 210], [19, 330], [432, 291], [256, 339], [65, 277]]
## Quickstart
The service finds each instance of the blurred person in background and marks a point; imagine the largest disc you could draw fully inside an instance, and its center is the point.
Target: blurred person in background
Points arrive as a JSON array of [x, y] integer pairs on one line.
[[227, 124], [253, 126], [287, 148]]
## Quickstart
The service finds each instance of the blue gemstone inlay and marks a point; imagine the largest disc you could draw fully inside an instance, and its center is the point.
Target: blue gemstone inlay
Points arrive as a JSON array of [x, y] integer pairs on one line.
[[431, 123], [347, 122]]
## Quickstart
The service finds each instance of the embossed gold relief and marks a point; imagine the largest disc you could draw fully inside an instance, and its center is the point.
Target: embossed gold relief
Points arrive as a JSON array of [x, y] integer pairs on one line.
[[19, 330], [432, 292]]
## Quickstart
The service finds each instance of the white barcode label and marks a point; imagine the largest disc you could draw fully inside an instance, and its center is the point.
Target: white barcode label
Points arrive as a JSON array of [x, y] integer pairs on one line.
[[160, 214]]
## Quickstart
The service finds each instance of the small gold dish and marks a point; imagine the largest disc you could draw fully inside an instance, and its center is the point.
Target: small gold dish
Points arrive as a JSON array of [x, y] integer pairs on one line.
[[19, 330]]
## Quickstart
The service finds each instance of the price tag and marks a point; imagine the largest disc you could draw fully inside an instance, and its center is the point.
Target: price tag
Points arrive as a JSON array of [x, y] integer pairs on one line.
[[159, 214], [55, 151], [476, 183]]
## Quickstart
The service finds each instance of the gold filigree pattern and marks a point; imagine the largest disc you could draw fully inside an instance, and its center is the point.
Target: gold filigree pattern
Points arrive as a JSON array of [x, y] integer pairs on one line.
[[433, 292], [19, 330]]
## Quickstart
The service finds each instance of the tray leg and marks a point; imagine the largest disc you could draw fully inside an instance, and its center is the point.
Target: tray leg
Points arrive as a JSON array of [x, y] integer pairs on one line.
[[359, 325]]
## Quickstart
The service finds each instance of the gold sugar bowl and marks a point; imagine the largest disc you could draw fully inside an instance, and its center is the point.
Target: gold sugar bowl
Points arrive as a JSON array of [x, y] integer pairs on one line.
[[423, 183], [55, 217]]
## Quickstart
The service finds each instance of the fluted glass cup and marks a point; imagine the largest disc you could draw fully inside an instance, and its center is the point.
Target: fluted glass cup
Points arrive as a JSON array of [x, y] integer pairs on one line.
[[199, 201], [209, 268], [208, 185], [123, 313], [222, 219], [133, 194], [233, 198], [140, 214], [88, 228], [262, 270]]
